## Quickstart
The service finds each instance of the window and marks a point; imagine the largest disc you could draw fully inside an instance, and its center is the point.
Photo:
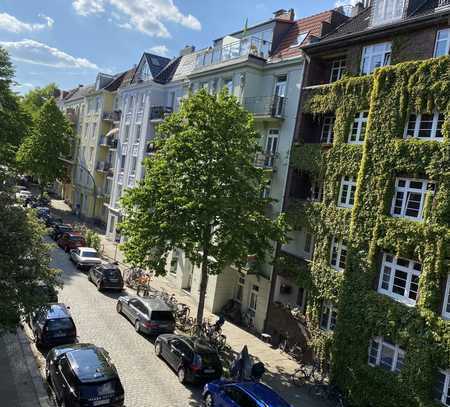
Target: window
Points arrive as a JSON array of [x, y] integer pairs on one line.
[[174, 262], [238, 397], [442, 387], [328, 317], [228, 83], [133, 166], [386, 355], [254, 297], [127, 133], [338, 254], [327, 135], [271, 147], [94, 130], [409, 197], [91, 154], [425, 126], [316, 191], [97, 103], [399, 279], [138, 134], [307, 248], [442, 46], [172, 100], [240, 289], [347, 192], [146, 74], [300, 38], [386, 11], [204, 85], [375, 56], [265, 192], [122, 162], [338, 69], [358, 131], [446, 307]]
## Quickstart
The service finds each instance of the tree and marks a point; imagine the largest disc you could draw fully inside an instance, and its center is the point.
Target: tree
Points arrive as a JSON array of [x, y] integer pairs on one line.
[[51, 137], [33, 101], [201, 193]]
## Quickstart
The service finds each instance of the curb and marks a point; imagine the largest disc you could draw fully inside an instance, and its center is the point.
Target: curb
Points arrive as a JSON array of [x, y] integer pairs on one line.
[[33, 369]]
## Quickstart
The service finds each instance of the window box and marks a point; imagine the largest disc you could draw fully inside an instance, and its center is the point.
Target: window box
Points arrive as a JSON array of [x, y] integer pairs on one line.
[[442, 387], [358, 131], [442, 46], [409, 197], [328, 317], [399, 279], [386, 355], [338, 254], [446, 307], [425, 126], [375, 56], [347, 192]]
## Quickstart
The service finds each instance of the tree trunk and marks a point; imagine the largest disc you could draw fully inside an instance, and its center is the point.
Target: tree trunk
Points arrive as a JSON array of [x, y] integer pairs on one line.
[[204, 277]]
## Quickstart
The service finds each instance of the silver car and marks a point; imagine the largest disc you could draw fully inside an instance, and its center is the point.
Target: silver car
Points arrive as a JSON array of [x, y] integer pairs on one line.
[[85, 257], [150, 315]]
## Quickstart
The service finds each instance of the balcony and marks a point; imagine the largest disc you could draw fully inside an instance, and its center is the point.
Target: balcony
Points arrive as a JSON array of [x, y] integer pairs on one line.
[[443, 3], [241, 48], [111, 116], [110, 173], [103, 166], [266, 107], [158, 113], [117, 115], [265, 160], [108, 141]]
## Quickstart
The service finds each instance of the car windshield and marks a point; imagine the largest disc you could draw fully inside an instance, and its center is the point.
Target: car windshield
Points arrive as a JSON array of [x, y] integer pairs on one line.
[[162, 316], [89, 254], [112, 273], [91, 390], [75, 238], [60, 324]]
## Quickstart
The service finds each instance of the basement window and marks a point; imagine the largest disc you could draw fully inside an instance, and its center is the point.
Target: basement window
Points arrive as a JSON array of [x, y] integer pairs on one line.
[[386, 355], [442, 387], [425, 126]]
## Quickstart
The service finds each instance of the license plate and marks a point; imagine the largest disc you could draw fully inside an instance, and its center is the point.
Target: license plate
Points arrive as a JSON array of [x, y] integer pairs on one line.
[[209, 370], [113, 280], [101, 402], [59, 334]]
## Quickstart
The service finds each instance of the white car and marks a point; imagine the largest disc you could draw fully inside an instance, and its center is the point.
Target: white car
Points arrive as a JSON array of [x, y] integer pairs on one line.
[[22, 195], [85, 257]]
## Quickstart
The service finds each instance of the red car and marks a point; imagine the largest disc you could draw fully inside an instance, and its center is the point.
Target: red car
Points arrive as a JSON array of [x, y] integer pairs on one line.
[[71, 240]]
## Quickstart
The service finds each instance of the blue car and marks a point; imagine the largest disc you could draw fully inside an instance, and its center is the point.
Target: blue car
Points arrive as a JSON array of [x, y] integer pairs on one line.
[[221, 393]]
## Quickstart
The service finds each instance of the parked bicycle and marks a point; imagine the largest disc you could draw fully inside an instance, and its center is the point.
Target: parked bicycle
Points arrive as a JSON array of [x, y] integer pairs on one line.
[[329, 393], [308, 374]]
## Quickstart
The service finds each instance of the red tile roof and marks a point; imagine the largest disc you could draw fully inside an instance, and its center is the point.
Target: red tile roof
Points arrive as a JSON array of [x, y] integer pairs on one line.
[[313, 25]]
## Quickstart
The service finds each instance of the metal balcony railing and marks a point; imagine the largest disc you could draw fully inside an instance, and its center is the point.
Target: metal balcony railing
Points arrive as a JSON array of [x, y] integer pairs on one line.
[[265, 160], [443, 3], [245, 46], [273, 106], [113, 116], [159, 112]]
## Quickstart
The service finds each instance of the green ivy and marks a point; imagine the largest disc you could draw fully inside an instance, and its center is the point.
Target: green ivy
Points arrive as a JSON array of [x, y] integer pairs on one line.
[[390, 95]]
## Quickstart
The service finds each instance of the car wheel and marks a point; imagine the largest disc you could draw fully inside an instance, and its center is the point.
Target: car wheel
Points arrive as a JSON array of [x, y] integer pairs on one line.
[[119, 307], [182, 375], [137, 327], [158, 349], [209, 402]]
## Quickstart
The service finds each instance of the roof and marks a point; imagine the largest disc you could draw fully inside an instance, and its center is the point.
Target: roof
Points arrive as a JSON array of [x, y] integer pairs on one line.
[[156, 63], [115, 82], [185, 66], [262, 392], [312, 25], [128, 77], [356, 24], [80, 92], [90, 364], [167, 73], [57, 311]]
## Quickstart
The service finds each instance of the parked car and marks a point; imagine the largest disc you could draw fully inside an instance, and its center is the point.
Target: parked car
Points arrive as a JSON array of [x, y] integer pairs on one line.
[[193, 360], [42, 211], [23, 194], [106, 277], [58, 230], [233, 394], [53, 325], [85, 257], [51, 221], [71, 240], [83, 375], [150, 315]]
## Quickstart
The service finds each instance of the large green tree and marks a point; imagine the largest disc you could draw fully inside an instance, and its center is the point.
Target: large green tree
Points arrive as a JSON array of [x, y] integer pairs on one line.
[[33, 101], [201, 192], [51, 138]]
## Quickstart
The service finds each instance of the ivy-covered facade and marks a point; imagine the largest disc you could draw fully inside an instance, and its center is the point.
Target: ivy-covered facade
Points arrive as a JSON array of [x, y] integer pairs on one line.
[[370, 183]]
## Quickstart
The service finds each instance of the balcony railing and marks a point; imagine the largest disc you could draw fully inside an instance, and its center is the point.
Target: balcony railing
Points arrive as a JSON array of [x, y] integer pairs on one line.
[[265, 160], [273, 106], [246, 46], [159, 112], [103, 166], [111, 116], [110, 142], [443, 3]]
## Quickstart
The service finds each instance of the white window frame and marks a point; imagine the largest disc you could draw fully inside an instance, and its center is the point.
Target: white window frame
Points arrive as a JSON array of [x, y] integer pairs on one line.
[[338, 69], [407, 191], [389, 278], [371, 52], [240, 288], [328, 312], [446, 39], [253, 300], [347, 191], [417, 127], [327, 131], [340, 247], [446, 306], [445, 394], [399, 353], [387, 11], [273, 137], [316, 191], [301, 37], [359, 126]]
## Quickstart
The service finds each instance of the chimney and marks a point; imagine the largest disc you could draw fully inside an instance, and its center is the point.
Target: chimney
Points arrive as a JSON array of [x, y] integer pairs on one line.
[[282, 14], [188, 49], [357, 8]]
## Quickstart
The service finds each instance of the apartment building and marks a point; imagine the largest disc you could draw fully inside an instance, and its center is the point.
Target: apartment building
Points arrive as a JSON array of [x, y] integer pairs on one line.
[[367, 199]]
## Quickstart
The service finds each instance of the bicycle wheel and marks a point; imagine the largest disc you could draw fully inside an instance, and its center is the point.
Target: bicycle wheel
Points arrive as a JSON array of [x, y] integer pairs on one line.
[[300, 376]]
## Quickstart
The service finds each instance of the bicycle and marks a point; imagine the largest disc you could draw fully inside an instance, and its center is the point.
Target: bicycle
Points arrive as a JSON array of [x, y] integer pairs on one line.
[[248, 320], [308, 374]]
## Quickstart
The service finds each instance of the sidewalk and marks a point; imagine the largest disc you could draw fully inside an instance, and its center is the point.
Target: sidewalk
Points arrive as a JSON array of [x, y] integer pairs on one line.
[[279, 366], [21, 384]]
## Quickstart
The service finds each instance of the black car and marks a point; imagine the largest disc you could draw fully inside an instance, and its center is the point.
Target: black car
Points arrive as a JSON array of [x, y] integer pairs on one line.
[[193, 360], [106, 277], [59, 229], [52, 325], [82, 375], [51, 221]]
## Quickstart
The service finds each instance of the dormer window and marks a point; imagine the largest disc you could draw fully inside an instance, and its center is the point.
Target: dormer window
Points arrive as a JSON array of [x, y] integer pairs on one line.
[[300, 38], [387, 11], [146, 74]]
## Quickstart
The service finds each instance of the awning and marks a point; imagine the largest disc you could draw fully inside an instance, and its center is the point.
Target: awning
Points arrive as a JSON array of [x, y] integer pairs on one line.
[[112, 132]]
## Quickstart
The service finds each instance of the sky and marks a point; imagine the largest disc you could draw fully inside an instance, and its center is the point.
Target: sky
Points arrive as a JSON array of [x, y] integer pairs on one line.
[[70, 41]]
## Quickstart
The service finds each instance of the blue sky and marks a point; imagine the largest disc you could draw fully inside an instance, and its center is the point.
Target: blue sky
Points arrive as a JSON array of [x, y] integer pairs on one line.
[[69, 41]]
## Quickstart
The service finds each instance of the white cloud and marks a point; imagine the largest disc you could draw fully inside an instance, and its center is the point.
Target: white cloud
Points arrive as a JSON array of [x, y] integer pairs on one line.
[[146, 16], [160, 50], [14, 25], [37, 53]]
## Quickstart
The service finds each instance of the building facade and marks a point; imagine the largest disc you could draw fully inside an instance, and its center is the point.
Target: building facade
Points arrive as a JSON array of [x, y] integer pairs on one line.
[[367, 199]]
